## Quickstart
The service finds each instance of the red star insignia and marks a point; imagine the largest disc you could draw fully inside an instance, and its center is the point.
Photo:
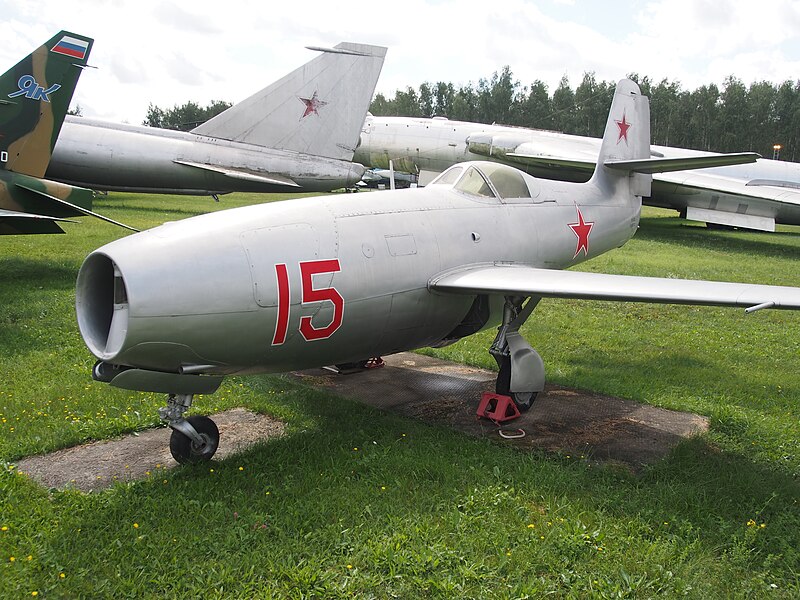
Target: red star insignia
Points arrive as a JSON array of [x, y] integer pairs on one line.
[[581, 229], [623, 129], [312, 105]]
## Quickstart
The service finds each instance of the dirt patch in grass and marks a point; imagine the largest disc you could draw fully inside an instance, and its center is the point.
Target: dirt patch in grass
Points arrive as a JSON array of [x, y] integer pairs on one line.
[[577, 423], [98, 465]]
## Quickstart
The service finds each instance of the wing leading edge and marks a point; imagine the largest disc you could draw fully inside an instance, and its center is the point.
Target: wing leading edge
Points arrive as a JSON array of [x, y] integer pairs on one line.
[[549, 283]]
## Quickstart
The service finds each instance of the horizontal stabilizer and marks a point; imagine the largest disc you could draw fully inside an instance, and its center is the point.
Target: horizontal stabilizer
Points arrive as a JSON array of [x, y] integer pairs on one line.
[[665, 165], [13, 222], [549, 283], [75, 207], [337, 51], [240, 174]]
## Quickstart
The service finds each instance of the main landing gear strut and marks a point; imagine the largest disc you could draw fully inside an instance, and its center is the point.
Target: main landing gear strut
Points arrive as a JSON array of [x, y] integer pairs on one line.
[[194, 439], [521, 373]]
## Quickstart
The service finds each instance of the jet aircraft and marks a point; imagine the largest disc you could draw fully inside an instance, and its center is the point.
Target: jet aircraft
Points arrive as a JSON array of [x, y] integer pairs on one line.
[[296, 135], [34, 98], [751, 196], [316, 281]]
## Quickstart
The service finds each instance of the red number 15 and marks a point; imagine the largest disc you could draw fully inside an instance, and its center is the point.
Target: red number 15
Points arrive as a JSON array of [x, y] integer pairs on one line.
[[309, 294]]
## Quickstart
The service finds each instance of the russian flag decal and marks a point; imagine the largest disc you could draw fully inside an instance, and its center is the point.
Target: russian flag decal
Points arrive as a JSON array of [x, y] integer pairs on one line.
[[71, 47]]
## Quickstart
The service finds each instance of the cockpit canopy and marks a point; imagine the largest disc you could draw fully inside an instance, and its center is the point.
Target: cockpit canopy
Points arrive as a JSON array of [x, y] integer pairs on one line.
[[485, 179]]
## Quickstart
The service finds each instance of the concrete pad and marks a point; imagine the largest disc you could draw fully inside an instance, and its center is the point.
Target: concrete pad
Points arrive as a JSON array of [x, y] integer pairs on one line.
[[98, 465], [574, 422]]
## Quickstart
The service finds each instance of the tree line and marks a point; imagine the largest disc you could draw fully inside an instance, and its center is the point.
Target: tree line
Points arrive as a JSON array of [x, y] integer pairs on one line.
[[184, 117], [735, 118]]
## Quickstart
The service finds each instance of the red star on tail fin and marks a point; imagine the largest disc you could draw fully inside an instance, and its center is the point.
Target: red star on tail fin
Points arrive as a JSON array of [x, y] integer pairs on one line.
[[623, 129], [312, 105]]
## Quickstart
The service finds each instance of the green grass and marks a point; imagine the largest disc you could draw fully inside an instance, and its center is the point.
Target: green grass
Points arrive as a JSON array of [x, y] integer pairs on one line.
[[353, 502]]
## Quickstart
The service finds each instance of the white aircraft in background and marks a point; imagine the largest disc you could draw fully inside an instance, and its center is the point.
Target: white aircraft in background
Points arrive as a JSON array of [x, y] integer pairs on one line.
[[319, 281], [751, 196], [296, 135]]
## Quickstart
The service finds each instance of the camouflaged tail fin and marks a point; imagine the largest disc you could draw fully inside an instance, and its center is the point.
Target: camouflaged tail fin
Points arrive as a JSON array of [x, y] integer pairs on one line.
[[34, 98]]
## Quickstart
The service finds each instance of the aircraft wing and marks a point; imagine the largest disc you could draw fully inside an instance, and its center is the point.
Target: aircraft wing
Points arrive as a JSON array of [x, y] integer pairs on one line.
[[515, 280]]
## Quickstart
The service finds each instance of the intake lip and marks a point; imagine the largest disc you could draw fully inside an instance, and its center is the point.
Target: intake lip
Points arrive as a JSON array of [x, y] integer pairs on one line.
[[101, 304]]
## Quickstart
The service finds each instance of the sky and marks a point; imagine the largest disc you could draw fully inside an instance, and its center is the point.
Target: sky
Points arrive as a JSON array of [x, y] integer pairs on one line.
[[170, 52]]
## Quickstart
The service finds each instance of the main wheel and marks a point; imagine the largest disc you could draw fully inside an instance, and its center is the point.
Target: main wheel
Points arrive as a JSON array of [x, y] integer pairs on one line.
[[523, 400], [186, 451], [503, 382]]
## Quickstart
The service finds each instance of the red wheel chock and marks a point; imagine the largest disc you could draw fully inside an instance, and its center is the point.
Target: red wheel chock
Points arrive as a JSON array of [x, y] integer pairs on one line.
[[497, 408]]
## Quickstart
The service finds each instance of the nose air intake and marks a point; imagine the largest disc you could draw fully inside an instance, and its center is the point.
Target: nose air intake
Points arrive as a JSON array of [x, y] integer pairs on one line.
[[101, 303]]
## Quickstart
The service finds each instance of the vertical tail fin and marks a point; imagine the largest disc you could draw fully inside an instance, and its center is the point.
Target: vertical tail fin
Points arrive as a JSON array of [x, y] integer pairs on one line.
[[317, 109], [626, 138], [34, 99]]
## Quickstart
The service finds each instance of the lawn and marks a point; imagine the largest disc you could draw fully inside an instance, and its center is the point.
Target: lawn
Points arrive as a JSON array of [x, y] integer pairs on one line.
[[356, 503]]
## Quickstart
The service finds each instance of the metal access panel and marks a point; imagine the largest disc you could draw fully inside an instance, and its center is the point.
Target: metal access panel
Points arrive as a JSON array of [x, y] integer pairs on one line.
[[261, 246]]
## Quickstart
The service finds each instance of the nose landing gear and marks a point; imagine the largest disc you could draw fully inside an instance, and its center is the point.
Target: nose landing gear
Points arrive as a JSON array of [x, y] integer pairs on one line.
[[193, 440]]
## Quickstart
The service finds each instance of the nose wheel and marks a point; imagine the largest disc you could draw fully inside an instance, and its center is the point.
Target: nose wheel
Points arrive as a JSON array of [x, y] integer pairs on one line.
[[187, 450], [194, 439]]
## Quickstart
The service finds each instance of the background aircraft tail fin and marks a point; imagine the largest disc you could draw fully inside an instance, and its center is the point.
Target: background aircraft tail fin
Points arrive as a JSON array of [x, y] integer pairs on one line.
[[317, 109], [626, 138], [34, 99]]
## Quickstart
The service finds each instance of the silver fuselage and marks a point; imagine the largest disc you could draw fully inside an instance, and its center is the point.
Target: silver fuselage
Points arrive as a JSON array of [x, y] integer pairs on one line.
[[129, 158], [214, 306]]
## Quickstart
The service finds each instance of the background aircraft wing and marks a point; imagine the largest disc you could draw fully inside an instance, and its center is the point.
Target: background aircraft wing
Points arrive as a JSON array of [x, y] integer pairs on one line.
[[547, 151], [549, 161], [549, 283], [757, 189]]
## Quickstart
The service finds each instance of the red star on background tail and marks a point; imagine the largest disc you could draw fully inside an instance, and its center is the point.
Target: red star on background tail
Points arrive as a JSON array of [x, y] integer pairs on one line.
[[312, 105], [582, 229], [623, 129]]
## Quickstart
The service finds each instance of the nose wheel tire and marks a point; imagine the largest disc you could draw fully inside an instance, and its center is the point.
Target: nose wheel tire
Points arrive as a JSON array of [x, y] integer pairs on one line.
[[188, 452]]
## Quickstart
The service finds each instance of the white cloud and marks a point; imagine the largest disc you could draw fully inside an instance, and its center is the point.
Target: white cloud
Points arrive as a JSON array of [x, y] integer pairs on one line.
[[168, 52]]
